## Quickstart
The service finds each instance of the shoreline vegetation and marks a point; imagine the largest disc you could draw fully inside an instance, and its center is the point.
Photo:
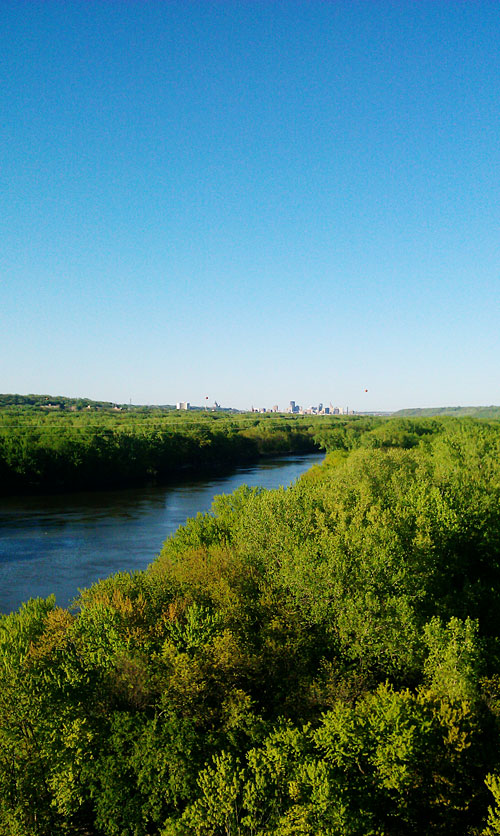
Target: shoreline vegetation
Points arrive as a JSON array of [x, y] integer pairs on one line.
[[49, 444], [51, 449], [47, 451], [312, 661]]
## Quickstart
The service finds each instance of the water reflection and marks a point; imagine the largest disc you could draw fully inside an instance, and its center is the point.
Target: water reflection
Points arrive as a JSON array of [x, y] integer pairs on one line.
[[60, 543]]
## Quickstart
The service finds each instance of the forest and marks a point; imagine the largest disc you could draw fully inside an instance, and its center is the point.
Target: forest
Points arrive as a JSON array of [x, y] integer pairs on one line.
[[50, 449], [321, 660]]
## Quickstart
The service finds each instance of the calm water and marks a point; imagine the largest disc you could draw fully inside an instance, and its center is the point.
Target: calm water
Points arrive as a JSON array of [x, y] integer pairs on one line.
[[60, 543]]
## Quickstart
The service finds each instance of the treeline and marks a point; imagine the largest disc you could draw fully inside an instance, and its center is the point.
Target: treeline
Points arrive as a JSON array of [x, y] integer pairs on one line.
[[71, 451], [316, 661], [37, 402], [455, 411]]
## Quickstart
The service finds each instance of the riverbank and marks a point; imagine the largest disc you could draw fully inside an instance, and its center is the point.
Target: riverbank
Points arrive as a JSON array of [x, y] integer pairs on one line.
[[59, 543], [42, 453]]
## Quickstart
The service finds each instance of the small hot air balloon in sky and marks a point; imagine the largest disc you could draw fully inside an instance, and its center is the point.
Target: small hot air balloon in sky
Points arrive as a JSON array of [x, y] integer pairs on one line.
[[366, 390]]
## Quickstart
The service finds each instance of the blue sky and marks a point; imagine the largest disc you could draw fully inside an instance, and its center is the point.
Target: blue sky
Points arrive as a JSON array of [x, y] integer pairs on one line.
[[254, 201]]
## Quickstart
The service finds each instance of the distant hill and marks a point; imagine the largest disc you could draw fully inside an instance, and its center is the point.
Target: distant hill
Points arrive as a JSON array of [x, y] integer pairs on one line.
[[60, 402], [457, 411]]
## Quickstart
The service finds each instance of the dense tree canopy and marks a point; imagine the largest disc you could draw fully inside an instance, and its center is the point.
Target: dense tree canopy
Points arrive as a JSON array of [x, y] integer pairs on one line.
[[52, 450], [313, 661]]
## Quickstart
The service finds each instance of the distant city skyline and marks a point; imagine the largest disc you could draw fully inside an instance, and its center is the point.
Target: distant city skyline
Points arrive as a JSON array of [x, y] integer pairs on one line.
[[248, 200], [292, 407]]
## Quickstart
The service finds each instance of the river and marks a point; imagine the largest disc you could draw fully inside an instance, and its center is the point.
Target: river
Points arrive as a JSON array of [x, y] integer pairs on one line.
[[60, 543]]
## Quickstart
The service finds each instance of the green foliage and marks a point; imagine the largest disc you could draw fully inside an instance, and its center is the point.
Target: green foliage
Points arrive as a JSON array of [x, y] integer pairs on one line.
[[493, 824], [397, 762], [454, 655], [47, 449], [314, 661]]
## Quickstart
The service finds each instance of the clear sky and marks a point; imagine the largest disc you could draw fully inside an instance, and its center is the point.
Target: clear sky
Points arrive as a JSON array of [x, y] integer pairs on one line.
[[254, 201]]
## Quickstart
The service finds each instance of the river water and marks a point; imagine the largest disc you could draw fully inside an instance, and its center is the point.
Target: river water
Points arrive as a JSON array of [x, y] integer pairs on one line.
[[60, 543]]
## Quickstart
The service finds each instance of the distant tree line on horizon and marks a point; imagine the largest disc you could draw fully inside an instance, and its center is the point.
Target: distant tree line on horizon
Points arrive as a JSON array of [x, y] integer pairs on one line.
[[38, 402], [454, 411]]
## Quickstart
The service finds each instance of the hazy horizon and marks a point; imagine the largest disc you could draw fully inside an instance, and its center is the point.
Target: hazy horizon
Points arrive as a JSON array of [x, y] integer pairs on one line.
[[281, 408]]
